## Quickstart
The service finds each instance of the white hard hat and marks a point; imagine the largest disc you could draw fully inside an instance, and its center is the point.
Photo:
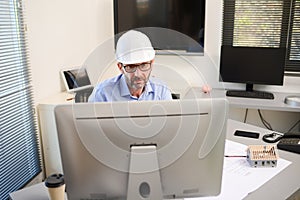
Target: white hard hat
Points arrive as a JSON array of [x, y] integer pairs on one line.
[[134, 47]]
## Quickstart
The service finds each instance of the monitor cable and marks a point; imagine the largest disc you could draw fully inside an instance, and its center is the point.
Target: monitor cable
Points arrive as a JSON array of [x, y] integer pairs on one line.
[[294, 126], [265, 123], [246, 115]]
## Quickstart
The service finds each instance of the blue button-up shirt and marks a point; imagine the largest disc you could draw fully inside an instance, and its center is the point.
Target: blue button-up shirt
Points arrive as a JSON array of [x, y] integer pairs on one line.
[[116, 89]]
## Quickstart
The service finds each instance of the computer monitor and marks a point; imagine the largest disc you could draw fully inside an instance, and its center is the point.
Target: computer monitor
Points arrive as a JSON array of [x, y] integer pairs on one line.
[[150, 149], [76, 79], [252, 65]]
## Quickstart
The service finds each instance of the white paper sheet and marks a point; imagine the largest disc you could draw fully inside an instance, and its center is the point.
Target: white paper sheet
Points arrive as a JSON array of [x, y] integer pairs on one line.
[[239, 179]]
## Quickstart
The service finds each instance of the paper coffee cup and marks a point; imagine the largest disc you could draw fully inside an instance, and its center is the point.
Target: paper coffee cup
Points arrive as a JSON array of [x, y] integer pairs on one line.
[[56, 186]]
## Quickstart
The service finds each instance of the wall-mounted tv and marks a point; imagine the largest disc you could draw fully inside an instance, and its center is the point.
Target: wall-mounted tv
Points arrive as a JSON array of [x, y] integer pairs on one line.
[[180, 23]]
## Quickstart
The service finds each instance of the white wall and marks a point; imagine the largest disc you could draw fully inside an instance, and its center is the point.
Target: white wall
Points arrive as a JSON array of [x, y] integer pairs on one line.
[[64, 33], [61, 33]]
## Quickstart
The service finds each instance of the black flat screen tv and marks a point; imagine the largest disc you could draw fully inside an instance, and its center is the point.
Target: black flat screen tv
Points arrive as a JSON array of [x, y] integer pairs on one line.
[[181, 23]]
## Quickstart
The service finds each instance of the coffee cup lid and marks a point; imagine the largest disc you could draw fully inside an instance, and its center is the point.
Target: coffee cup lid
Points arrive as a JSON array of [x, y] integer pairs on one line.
[[55, 180]]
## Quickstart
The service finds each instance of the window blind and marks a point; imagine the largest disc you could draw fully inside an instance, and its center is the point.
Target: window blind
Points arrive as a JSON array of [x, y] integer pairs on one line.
[[264, 23], [293, 58], [256, 25], [20, 159]]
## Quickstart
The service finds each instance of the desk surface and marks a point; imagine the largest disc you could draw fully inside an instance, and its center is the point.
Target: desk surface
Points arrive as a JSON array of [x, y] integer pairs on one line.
[[282, 185], [279, 187], [276, 104], [266, 104]]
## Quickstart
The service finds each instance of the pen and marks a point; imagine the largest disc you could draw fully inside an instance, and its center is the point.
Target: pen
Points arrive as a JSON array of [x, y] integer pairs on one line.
[[69, 99], [235, 156]]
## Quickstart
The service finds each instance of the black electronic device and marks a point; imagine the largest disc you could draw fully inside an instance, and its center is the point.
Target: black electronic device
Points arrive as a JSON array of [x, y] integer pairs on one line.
[[249, 134], [250, 94], [252, 65], [185, 17], [291, 144]]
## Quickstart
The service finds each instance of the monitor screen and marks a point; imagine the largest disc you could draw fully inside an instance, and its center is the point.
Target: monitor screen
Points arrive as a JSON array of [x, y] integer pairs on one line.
[[185, 17], [252, 65], [116, 150], [75, 79]]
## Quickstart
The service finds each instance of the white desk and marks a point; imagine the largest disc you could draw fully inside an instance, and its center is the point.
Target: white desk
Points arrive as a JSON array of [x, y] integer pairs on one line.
[[279, 187], [276, 104], [286, 182]]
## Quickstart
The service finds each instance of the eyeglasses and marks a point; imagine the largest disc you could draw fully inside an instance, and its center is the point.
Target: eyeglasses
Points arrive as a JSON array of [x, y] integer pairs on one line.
[[132, 68]]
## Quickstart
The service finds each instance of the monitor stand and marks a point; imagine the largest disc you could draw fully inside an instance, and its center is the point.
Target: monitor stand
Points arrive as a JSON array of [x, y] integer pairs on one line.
[[144, 180], [250, 93]]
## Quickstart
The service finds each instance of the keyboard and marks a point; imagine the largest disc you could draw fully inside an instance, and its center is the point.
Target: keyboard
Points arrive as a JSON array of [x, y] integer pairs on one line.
[[250, 94], [290, 144]]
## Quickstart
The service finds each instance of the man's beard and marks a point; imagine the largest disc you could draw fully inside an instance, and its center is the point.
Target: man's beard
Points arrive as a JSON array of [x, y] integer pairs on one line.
[[137, 83]]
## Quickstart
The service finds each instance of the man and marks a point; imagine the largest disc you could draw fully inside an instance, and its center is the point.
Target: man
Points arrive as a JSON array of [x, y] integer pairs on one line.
[[135, 56]]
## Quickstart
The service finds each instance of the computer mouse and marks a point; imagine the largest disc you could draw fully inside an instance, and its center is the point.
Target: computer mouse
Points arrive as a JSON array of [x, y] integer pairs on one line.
[[292, 100]]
